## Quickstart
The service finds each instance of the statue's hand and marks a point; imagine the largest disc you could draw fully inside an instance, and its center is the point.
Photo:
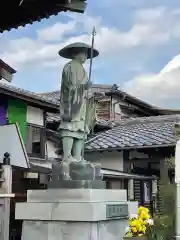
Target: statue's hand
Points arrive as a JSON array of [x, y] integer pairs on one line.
[[88, 85], [66, 118]]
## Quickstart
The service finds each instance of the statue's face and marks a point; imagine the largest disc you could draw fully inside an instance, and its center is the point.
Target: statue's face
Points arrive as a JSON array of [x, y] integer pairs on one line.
[[81, 57]]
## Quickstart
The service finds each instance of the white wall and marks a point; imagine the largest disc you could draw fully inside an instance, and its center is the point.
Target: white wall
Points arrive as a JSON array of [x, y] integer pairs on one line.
[[116, 99], [117, 112], [117, 108], [110, 160], [35, 116]]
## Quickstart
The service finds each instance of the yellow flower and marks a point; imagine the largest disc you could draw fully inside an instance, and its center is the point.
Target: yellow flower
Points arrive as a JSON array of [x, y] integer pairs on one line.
[[140, 229], [134, 229], [144, 215], [132, 223], [143, 229], [145, 222], [140, 209], [129, 234], [138, 224], [135, 223], [140, 221]]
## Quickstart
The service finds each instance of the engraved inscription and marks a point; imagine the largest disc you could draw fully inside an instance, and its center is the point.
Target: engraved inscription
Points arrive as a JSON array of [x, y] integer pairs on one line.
[[116, 211]]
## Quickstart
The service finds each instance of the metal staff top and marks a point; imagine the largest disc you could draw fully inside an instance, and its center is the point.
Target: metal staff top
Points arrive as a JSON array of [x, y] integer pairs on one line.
[[89, 80]]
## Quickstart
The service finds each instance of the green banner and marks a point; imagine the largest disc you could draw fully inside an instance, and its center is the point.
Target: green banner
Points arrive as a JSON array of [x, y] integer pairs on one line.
[[17, 112]]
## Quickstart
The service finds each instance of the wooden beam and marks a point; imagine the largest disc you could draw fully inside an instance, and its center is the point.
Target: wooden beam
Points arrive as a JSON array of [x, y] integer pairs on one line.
[[76, 6]]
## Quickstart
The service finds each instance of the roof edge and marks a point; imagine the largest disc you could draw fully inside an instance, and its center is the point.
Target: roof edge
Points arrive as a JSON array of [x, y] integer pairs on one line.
[[129, 148], [7, 67], [51, 106], [133, 99]]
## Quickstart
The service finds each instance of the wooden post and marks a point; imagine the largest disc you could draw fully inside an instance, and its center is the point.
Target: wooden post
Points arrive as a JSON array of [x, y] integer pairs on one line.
[[164, 176], [126, 162]]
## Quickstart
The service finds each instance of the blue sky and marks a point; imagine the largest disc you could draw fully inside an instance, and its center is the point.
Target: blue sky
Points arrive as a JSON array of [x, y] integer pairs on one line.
[[139, 45]]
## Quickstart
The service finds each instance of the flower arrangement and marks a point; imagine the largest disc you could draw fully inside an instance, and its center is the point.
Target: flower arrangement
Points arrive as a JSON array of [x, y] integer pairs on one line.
[[139, 224]]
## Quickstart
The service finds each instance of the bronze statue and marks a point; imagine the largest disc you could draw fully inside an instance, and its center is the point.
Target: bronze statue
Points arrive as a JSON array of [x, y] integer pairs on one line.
[[73, 100]]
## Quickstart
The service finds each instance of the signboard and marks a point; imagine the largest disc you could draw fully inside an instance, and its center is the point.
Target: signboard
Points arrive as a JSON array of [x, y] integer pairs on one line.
[[177, 163], [116, 211], [11, 142]]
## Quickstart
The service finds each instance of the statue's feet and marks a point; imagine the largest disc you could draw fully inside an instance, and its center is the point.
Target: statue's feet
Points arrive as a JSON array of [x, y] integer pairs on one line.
[[65, 167], [81, 170], [69, 159], [65, 170]]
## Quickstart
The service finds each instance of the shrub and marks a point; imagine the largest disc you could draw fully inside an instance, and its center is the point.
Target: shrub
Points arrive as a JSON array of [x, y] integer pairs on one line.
[[164, 224]]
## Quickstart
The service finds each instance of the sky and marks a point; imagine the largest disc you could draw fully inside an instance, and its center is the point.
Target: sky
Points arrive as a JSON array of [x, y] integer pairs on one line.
[[139, 46]]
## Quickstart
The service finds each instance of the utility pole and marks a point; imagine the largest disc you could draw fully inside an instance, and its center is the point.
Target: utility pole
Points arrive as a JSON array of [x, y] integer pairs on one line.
[[177, 181], [5, 196]]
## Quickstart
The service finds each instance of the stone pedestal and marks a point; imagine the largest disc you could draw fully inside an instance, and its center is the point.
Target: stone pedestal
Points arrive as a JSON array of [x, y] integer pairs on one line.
[[75, 214], [82, 174]]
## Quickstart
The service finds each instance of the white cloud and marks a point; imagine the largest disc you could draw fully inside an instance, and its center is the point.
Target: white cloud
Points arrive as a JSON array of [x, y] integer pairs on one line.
[[151, 14], [160, 88], [161, 24], [151, 27], [44, 49], [56, 32]]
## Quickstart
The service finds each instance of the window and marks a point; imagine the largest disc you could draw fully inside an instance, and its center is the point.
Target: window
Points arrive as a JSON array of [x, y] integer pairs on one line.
[[35, 144]]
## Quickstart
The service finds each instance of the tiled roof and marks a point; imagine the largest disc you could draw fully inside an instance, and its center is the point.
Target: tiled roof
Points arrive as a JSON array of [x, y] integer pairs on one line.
[[105, 122], [53, 117], [56, 118], [55, 95], [136, 133], [11, 88], [27, 12], [96, 88]]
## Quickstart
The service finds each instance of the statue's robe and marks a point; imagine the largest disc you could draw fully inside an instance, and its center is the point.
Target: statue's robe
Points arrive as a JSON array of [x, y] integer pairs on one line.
[[73, 101]]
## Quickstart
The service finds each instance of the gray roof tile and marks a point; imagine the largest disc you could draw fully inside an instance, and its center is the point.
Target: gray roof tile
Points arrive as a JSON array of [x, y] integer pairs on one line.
[[136, 133], [99, 121], [14, 89], [96, 88]]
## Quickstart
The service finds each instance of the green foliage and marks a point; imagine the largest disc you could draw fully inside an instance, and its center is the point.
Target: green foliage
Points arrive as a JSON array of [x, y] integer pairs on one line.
[[163, 228], [164, 224], [171, 162]]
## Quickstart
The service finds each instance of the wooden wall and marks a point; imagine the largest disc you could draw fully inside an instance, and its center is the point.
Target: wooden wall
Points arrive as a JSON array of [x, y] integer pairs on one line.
[[20, 185], [103, 109]]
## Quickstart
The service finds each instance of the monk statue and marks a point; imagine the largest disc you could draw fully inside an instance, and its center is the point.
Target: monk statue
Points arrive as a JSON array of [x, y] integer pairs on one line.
[[76, 111], [73, 100]]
